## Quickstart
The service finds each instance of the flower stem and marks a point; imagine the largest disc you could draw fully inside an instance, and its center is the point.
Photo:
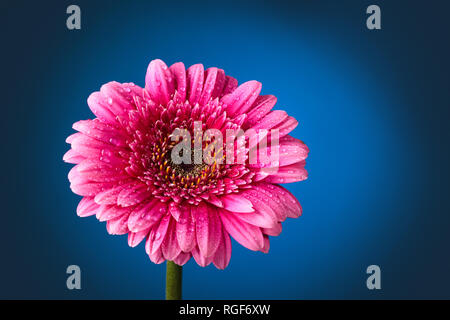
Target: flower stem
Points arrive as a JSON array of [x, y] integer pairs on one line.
[[174, 274]]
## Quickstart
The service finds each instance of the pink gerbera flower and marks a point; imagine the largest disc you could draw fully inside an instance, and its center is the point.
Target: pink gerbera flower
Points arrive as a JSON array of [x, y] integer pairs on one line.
[[126, 176]]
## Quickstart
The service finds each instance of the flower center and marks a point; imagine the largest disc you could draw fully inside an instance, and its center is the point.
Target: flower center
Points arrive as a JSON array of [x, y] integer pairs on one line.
[[188, 169], [151, 158]]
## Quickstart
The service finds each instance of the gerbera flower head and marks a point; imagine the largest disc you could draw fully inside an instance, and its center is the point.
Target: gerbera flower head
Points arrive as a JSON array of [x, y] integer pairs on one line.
[[129, 173]]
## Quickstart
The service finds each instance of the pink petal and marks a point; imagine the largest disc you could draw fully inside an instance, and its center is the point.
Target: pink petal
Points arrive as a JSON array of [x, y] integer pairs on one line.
[[169, 246], [182, 258], [93, 165], [195, 78], [157, 234], [72, 156], [159, 82], [241, 99], [215, 80], [266, 247], [156, 256], [146, 215], [175, 210], [134, 238], [117, 98], [98, 151], [262, 105], [87, 146], [118, 225], [114, 100], [133, 194], [292, 150], [108, 196], [247, 235], [201, 260], [215, 201], [272, 119], [185, 230], [286, 126], [263, 216], [101, 131], [258, 218], [98, 171], [179, 73], [74, 176], [87, 207], [223, 254], [273, 200], [88, 189], [275, 231], [237, 203], [110, 212], [230, 85], [284, 203], [291, 173], [100, 109], [208, 228], [70, 138]]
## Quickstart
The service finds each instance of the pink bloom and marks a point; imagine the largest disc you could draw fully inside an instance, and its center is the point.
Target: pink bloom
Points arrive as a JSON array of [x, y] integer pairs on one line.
[[125, 175]]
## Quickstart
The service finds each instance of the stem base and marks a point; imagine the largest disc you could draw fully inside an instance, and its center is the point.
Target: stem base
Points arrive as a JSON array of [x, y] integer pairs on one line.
[[174, 275]]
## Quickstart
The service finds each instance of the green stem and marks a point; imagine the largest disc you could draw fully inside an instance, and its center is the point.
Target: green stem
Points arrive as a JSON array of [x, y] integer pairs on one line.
[[174, 274]]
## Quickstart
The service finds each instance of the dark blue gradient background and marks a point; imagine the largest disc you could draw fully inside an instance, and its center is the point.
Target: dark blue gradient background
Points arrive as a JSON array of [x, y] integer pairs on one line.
[[373, 107]]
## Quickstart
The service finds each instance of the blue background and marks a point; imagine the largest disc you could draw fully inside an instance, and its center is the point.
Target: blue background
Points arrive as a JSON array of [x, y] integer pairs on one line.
[[373, 107]]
